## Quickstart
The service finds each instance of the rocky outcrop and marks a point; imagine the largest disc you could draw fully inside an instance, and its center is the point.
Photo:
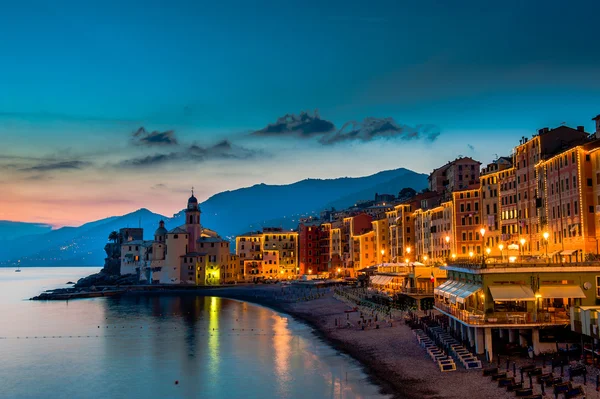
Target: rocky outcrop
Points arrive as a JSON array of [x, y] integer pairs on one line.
[[103, 279]]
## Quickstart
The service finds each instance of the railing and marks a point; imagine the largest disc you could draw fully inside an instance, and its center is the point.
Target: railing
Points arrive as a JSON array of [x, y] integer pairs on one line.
[[525, 262], [478, 317]]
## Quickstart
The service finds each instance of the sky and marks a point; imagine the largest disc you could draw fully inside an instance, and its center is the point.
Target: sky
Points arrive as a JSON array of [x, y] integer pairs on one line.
[[110, 106]]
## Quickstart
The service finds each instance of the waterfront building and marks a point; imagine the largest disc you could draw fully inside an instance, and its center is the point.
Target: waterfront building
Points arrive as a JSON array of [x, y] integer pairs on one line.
[[249, 252], [467, 238], [313, 236], [490, 181], [526, 159], [526, 305], [268, 254], [456, 175], [187, 254]]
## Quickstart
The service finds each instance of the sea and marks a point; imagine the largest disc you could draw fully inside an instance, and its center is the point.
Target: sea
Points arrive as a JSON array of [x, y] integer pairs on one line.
[[159, 347]]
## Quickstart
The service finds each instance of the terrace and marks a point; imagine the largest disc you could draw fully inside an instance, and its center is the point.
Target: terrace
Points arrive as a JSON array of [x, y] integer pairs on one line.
[[508, 305]]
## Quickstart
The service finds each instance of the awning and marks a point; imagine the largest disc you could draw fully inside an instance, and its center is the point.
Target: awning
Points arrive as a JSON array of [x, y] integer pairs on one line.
[[562, 291], [568, 252], [553, 254], [384, 280], [446, 291], [450, 291], [375, 279], [442, 286], [503, 293], [467, 292]]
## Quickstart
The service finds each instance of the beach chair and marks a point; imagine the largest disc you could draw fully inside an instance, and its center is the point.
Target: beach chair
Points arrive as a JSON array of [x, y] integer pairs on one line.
[[499, 375], [473, 364], [562, 388], [575, 392], [447, 365], [513, 387], [524, 392], [489, 371], [553, 381], [535, 372], [503, 382]]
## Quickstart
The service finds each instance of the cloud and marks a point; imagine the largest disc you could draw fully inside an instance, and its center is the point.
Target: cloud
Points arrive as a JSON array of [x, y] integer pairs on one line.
[[193, 153], [471, 147], [380, 128], [303, 125], [155, 138], [158, 186], [52, 166]]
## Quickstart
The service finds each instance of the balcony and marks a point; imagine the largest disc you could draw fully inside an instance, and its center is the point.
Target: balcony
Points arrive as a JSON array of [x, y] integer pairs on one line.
[[477, 317]]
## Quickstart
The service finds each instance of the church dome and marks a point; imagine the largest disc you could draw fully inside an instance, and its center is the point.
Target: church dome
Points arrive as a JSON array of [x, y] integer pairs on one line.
[[161, 231], [192, 200]]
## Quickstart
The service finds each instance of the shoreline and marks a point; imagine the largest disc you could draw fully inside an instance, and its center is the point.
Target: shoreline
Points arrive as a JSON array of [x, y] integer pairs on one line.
[[389, 355]]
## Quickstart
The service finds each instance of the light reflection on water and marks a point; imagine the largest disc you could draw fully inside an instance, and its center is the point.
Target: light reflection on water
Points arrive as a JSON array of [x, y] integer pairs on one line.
[[139, 346]]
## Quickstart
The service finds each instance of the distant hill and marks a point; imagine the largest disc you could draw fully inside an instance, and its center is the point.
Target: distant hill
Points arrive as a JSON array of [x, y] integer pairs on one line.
[[19, 229], [73, 246], [229, 213]]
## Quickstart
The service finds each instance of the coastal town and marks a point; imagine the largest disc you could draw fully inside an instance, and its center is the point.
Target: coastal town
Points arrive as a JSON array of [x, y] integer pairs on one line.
[[492, 263]]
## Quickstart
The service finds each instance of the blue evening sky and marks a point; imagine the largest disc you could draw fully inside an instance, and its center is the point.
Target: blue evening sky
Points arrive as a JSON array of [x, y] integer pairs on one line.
[[79, 77]]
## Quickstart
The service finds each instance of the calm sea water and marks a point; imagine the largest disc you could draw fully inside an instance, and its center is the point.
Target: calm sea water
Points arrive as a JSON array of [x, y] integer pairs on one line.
[[139, 346]]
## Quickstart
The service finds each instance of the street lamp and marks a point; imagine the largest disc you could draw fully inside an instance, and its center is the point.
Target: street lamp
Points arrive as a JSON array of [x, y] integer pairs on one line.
[[546, 235], [425, 259], [448, 243], [453, 256], [382, 252], [482, 232], [309, 271], [522, 241], [470, 254], [501, 247]]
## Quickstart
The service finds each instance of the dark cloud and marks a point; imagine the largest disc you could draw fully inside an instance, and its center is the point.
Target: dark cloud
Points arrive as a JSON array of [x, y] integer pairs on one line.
[[302, 125], [52, 166], [155, 138], [194, 153], [380, 128]]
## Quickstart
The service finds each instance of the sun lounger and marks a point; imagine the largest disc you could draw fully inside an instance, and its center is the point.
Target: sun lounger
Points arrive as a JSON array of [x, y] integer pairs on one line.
[[514, 387], [524, 392], [502, 382], [497, 376], [489, 371], [447, 365], [575, 392]]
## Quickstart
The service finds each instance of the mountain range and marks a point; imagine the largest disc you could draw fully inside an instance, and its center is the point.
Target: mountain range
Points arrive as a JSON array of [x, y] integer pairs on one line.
[[229, 213]]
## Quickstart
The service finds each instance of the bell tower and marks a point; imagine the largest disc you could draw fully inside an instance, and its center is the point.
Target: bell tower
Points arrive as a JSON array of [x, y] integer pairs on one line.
[[192, 222]]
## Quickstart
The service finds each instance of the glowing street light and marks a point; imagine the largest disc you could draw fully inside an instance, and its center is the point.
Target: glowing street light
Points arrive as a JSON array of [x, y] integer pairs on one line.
[[470, 254], [488, 250], [501, 247], [522, 241]]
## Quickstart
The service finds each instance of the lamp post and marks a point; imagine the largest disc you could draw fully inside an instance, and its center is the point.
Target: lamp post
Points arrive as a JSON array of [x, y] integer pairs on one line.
[[501, 247], [453, 256], [382, 252], [447, 245], [482, 232], [522, 241], [546, 235]]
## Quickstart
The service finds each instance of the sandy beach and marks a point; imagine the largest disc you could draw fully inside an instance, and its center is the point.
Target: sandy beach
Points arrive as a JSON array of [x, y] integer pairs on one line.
[[390, 354]]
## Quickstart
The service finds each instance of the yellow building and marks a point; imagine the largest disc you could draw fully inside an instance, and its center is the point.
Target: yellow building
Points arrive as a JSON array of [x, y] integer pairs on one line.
[[270, 253], [382, 249]]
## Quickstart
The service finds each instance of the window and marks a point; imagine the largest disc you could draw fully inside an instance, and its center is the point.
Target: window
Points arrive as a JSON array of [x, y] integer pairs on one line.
[[589, 182], [575, 208], [591, 209]]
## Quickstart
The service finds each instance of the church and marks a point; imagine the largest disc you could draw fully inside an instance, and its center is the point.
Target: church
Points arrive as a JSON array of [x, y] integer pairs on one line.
[[188, 254]]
